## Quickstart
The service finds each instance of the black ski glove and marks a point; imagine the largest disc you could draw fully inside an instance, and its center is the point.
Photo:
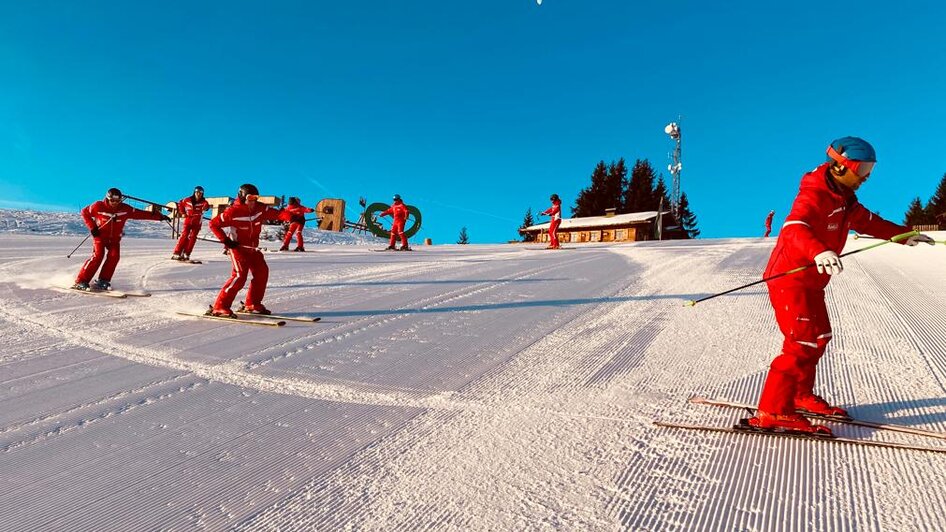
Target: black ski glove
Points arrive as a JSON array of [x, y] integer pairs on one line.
[[230, 243], [94, 230]]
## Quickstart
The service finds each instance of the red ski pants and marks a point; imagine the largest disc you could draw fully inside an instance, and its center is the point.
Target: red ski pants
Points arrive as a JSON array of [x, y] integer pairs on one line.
[[803, 319], [110, 251], [553, 232], [294, 228], [397, 231], [189, 232], [246, 262]]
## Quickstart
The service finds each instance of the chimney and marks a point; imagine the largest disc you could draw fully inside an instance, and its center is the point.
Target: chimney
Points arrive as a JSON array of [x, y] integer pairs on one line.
[[610, 212]]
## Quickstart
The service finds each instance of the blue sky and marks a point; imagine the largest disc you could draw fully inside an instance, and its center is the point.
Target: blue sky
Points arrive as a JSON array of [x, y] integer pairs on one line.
[[472, 111]]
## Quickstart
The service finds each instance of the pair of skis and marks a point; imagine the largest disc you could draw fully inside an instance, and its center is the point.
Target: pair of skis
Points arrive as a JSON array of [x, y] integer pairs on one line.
[[117, 294], [248, 318], [744, 428]]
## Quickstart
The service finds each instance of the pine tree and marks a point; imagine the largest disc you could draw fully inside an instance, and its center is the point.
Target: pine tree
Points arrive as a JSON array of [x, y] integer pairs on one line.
[[936, 207], [915, 215], [527, 221], [687, 218], [590, 200], [660, 193], [614, 187], [464, 239], [639, 195]]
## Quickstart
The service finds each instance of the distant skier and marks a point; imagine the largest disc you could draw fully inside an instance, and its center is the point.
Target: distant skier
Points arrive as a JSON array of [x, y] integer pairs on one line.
[[106, 221], [398, 211], [191, 209], [768, 224], [555, 211], [295, 213], [815, 230], [245, 219]]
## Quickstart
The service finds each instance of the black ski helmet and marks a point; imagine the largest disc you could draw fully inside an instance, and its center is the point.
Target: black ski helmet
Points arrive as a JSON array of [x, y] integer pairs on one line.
[[397, 197], [293, 200], [114, 194], [554, 197], [198, 188], [247, 189]]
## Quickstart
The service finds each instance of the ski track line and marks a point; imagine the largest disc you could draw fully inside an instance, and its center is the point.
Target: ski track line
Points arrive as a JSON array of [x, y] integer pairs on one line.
[[347, 331]]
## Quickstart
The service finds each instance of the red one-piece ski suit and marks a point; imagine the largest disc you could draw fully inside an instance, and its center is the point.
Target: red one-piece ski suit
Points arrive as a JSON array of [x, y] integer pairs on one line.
[[399, 212], [110, 220], [245, 223], [295, 215], [192, 210], [821, 216], [555, 211]]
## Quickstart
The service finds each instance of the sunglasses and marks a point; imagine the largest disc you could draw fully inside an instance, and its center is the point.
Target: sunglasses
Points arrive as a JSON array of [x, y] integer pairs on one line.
[[861, 168]]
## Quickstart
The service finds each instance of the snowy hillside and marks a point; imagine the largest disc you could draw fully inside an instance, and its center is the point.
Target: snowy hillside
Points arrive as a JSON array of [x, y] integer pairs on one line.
[[65, 223], [499, 387]]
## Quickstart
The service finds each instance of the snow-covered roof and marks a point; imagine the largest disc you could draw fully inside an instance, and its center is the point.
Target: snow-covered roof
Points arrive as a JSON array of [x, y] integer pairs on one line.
[[598, 221]]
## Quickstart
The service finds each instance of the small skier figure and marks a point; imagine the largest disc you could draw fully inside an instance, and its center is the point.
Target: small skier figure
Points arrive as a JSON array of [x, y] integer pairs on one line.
[[106, 221], [768, 224], [245, 219], [294, 213], [191, 209], [823, 213], [555, 211], [398, 211]]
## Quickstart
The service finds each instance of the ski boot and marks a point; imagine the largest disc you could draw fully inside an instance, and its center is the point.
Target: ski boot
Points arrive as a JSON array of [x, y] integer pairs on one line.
[[812, 404], [175, 257], [284, 248], [391, 248], [81, 286], [220, 312], [300, 248], [787, 423], [256, 309], [406, 248], [99, 284]]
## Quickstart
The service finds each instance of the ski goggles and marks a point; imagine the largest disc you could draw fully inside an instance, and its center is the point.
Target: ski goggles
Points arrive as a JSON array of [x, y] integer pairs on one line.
[[861, 168], [251, 197]]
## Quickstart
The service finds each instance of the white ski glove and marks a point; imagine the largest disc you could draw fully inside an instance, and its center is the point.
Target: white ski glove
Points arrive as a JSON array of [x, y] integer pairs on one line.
[[916, 239], [828, 262]]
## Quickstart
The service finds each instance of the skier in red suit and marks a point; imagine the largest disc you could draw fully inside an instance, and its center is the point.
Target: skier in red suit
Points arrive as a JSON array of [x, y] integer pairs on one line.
[[245, 219], [106, 221], [294, 213], [192, 209], [555, 211], [398, 211], [768, 224], [815, 230]]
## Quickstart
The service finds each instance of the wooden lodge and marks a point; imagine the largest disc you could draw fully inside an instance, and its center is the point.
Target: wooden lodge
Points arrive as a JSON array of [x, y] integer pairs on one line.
[[630, 227]]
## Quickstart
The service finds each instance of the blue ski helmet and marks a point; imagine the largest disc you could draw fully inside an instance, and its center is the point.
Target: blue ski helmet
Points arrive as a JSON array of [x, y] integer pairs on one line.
[[852, 149]]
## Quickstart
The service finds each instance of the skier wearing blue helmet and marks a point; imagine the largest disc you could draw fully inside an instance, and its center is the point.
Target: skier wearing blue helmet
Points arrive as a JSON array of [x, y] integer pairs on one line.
[[815, 231]]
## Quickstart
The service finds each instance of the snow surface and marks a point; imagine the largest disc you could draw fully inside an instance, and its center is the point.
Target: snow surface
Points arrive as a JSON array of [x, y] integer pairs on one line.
[[493, 387]]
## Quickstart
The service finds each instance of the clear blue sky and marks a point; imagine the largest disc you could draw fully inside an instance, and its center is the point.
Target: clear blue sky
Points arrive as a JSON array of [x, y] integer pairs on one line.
[[473, 111]]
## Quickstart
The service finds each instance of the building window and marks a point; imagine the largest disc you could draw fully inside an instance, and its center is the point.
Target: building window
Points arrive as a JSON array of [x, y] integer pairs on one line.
[[620, 234]]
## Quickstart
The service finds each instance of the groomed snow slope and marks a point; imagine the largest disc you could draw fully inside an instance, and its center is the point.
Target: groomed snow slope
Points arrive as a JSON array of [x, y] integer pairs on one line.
[[454, 388]]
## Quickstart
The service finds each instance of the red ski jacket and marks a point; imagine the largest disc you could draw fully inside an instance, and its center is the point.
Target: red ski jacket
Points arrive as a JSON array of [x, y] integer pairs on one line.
[[295, 213], [398, 210], [189, 207], [555, 211], [99, 213], [248, 222], [821, 216]]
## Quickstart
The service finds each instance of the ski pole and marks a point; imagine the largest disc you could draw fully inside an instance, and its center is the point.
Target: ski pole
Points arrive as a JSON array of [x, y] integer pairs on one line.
[[865, 237], [146, 201], [69, 256], [800, 268]]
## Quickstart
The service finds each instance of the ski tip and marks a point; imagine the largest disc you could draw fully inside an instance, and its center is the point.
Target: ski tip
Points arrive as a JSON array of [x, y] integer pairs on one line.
[[690, 303]]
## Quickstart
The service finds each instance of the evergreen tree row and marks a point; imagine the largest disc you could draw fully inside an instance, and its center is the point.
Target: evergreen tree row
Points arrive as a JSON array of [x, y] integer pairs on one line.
[[933, 213]]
